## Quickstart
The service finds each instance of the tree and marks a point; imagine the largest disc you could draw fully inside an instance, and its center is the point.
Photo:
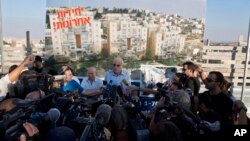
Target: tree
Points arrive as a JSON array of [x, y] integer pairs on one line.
[[149, 54], [98, 16], [104, 52], [132, 63]]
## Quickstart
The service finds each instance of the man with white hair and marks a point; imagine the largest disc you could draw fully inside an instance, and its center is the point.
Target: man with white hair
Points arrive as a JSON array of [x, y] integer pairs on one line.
[[92, 83], [117, 75]]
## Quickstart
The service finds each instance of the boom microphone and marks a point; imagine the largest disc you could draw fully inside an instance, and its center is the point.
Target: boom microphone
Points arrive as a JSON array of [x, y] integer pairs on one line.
[[103, 114]]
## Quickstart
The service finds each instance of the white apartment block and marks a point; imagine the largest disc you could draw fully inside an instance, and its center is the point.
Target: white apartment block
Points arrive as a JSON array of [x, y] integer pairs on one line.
[[13, 54], [168, 42], [82, 39], [229, 60], [38, 49], [126, 35]]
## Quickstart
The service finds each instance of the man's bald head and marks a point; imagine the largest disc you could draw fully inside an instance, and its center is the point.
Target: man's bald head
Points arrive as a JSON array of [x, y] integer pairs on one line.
[[117, 65], [118, 60], [91, 73]]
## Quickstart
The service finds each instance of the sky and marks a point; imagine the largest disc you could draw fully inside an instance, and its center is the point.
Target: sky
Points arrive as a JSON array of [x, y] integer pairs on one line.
[[186, 8], [19, 16], [226, 20]]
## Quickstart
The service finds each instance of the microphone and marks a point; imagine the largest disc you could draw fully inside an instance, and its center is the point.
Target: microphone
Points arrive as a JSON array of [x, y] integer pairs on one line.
[[125, 81], [110, 82], [103, 114], [159, 85], [104, 82], [54, 115], [120, 91]]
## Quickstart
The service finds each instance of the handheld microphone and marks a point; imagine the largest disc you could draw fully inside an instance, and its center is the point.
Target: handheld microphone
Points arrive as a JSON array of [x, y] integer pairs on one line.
[[110, 82], [104, 82]]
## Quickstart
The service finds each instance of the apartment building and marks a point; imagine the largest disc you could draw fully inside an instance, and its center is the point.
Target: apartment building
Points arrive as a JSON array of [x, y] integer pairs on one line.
[[76, 41], [13, 53], [166, 42], [228, 59]]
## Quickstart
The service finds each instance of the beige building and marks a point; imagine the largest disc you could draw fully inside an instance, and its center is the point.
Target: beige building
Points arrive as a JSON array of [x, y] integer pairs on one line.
[[229, 60], [77, 39], [13, 54]]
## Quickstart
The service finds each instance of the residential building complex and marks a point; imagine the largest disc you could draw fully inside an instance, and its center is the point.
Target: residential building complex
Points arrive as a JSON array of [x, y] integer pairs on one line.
[[228, 59], [128, 33]]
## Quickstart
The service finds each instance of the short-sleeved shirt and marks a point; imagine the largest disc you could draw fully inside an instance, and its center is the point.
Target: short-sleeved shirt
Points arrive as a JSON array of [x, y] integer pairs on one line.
[[4, 81], [114, 79], [87, 85], [72, 85], [76, 79]]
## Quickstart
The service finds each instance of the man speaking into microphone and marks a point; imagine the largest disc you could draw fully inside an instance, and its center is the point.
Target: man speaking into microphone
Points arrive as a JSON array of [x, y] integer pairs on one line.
[[117, 75]]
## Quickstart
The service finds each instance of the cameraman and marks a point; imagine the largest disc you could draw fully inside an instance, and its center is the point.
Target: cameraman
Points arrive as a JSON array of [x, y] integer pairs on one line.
[[163, 129], [12, 76]]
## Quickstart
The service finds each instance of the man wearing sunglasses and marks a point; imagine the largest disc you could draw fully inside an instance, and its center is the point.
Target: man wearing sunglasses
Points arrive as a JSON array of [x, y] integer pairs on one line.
[[117, 75], [220, 102]]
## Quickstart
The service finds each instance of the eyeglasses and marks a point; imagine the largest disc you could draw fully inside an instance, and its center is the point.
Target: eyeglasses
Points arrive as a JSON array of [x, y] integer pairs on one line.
[[116, 65], [210, 80]]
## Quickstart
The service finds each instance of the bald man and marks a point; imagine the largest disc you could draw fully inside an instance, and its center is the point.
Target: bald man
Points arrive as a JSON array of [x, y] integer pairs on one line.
[[117, 75], [92, 85], [91, 82]]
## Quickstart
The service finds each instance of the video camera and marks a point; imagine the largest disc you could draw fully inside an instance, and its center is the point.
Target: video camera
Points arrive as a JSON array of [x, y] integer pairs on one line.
[[164, 92], [11, 124], [30, 81]]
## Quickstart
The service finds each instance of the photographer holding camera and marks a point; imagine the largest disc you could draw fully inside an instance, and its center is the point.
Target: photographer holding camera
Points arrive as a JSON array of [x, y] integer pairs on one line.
[[12, 76]]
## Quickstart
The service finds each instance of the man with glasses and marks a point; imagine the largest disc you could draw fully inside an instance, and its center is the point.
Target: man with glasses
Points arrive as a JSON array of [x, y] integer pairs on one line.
[[117, 75], [220, 102]]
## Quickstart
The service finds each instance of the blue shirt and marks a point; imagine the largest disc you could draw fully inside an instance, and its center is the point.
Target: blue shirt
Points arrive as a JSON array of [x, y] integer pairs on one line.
[[87, 85], [114, 79], [72, 85]]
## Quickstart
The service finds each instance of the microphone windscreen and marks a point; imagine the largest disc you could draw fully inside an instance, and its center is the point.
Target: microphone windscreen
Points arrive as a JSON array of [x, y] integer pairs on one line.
[[125, 81], [103, 114], [54, 114]]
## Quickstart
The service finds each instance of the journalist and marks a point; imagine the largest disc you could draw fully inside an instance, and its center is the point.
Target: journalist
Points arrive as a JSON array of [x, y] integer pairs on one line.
[[12, 76]]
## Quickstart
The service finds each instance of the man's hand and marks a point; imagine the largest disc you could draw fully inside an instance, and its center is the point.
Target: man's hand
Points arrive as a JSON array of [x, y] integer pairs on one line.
[[29, 59], [161, 102], [133, 88], [107, 133], [30, 129]]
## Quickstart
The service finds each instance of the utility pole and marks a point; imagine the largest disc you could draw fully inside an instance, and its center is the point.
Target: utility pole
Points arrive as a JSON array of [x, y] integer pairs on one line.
[[1, 36], [246, 65]]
